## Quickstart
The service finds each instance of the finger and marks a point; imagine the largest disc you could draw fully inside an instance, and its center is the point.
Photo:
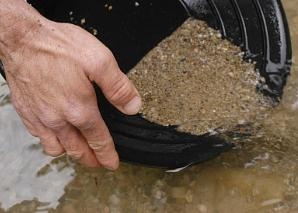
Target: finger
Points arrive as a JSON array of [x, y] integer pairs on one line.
[[115, 85], [93, 128], [51, 145], [48, 139], [35, 127], [75, 145]]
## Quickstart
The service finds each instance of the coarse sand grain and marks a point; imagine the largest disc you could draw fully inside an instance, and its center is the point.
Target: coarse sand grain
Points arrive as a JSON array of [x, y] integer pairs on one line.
[[198, 81]]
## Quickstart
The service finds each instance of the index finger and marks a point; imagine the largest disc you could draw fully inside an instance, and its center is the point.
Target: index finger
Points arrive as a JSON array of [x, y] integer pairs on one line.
[[99, 139]]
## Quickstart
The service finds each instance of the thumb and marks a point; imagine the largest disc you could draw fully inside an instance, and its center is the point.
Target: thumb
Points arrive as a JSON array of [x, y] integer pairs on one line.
[[116, 86]]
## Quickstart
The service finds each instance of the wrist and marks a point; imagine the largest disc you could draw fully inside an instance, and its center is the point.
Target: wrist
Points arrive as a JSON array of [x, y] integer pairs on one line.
[[18, 22]]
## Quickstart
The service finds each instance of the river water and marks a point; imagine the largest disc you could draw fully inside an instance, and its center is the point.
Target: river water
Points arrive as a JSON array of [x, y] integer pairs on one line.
[[260, 175]]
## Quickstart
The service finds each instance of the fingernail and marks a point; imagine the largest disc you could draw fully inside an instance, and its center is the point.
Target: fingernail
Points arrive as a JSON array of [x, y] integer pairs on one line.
[[112, 167], [113, 164], [134, 106]]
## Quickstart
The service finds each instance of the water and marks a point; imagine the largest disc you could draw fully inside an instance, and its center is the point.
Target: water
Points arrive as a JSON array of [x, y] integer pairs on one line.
[[258, 176]]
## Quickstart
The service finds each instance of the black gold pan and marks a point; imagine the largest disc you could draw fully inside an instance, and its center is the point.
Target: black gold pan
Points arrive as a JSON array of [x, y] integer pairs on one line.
[[131, 28]]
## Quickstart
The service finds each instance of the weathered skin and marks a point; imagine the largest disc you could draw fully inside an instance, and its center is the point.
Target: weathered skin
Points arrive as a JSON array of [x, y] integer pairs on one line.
[[50, 68]]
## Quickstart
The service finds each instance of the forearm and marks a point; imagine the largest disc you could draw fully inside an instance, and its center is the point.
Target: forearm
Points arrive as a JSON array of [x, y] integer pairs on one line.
[[17, 21]]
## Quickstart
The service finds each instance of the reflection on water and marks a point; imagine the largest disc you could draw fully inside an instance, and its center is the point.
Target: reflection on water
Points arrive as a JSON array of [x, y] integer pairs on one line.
[[26, 173], [260, 175]]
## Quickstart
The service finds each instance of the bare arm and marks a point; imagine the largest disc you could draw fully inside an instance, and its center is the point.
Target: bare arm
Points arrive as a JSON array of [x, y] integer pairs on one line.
[[50, 68]]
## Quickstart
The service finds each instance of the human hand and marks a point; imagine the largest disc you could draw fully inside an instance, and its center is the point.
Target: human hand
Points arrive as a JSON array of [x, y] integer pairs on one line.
[[50, 70]]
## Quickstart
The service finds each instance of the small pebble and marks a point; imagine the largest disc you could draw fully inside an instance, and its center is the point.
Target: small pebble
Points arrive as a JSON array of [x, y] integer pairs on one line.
[[83, 21], [202, 208]]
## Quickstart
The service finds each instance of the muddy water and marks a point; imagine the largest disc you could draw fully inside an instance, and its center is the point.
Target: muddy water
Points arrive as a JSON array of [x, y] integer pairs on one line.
[[258, 176]]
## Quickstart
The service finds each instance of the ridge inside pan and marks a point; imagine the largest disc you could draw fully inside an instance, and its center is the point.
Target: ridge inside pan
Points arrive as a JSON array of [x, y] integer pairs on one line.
[[130, 30]]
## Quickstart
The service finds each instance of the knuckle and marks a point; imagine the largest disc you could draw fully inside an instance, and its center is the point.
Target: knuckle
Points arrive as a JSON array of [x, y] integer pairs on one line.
[[52, 121], [98, 146], [75, 116], [54, 152], [77, 155], [119, 90], [49, 144], [46, 137], [71, 146], [80, 117], [105, 58], [73, 110], [99, 60], [55, 123]]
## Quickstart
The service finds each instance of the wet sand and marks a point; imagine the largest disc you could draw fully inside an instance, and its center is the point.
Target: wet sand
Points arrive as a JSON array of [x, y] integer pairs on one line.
[[197, 81]]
